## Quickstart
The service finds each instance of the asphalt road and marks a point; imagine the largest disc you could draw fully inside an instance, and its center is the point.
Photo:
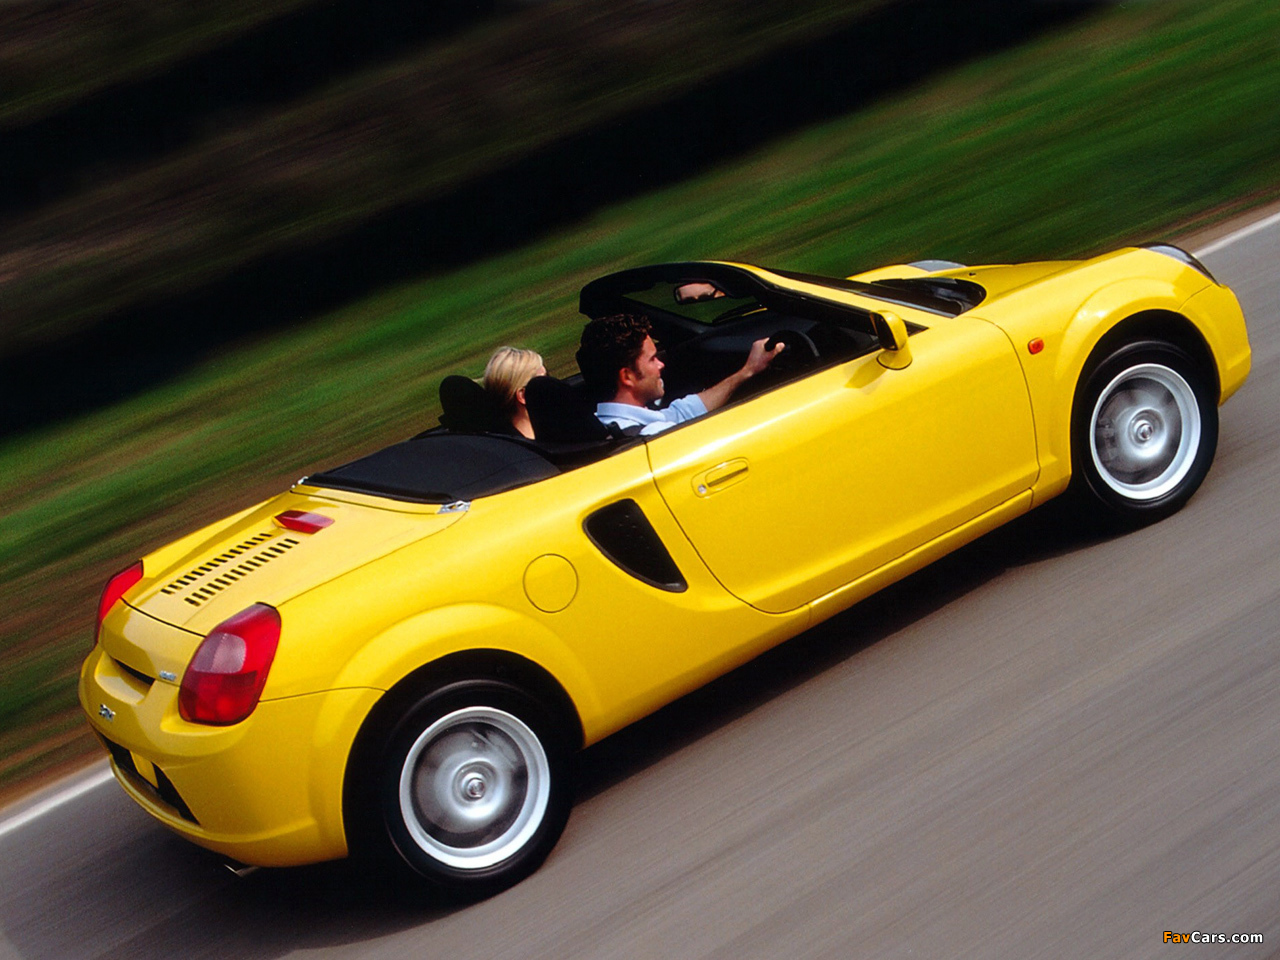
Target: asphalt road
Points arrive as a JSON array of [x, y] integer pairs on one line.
[[1048, 745]]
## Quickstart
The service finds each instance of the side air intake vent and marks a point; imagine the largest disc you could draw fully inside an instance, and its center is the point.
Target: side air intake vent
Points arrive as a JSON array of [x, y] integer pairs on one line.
[[213, 576], [623, 534]]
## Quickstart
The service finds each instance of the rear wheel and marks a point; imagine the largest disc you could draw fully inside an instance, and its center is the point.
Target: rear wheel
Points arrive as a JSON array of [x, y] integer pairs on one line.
[[473, 788], [1144, 432]]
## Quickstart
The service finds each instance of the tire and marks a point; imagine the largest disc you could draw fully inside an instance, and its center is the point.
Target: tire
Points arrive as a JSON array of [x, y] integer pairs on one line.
[[473, 788], [1143, 434]]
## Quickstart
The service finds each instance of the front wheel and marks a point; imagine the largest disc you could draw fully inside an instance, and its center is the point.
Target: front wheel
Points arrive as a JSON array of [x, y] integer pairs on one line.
[[1144, 432], [473, 787]]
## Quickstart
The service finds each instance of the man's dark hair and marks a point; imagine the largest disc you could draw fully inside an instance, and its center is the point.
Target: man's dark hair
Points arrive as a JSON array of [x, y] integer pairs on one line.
[[610, 344]]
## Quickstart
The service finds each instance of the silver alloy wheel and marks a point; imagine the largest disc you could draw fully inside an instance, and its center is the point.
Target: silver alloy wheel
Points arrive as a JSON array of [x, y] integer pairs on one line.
[[474, 787], [1145, 431]]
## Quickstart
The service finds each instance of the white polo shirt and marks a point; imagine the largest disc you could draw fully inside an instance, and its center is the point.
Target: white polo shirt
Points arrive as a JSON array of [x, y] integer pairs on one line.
[[651, 421]]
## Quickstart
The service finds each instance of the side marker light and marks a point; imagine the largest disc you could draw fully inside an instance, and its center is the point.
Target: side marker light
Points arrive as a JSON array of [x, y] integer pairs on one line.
[[1035, 346]]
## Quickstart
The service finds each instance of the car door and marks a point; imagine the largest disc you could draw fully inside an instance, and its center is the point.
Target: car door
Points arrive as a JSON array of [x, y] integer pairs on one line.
[[794, 493]]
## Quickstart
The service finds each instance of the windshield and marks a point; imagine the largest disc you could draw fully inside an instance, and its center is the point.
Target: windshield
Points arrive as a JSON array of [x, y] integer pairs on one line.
[[949, 296], [695, 295]]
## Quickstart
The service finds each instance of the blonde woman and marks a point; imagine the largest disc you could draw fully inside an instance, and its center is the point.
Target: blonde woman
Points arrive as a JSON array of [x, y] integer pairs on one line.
[[505, 377]]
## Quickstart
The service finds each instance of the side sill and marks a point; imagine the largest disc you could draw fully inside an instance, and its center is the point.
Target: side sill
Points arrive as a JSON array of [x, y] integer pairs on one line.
[[846, 596]]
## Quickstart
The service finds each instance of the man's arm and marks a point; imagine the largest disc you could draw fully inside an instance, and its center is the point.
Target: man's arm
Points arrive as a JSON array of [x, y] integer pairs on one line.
[[757, 360]]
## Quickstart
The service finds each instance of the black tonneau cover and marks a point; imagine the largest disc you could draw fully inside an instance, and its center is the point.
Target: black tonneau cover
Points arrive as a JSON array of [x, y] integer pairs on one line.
[[440, 468]]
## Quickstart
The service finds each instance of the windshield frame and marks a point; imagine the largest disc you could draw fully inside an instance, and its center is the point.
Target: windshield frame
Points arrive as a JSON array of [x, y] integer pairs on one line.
[[612, 294]]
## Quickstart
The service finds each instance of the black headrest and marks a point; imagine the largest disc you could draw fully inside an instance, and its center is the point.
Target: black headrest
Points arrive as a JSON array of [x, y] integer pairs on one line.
[[561, 412], [467, 407]]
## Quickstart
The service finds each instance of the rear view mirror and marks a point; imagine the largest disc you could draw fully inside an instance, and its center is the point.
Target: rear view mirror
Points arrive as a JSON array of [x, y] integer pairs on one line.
[[696, 291], [891, 331]]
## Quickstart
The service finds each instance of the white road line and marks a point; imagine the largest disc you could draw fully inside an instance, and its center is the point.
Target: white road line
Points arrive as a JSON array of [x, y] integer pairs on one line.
[[81, 787], [1250, 230]]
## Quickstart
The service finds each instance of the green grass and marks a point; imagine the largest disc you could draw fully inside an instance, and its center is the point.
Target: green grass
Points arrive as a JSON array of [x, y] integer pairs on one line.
[[1147, 119]]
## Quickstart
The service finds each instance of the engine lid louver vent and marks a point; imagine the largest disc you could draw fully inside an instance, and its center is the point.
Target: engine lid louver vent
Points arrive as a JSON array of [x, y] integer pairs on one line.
[[215, 575]]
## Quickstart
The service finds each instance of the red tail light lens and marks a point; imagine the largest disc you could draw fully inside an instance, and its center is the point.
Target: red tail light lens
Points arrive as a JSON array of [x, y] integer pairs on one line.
[[225, 677], [116, 588]]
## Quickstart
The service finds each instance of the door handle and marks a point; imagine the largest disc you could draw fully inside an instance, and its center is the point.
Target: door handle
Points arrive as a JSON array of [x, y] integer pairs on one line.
[[720, 477]]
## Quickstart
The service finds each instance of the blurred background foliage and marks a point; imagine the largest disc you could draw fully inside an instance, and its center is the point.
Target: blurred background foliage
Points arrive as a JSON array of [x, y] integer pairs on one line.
[[239, 242]]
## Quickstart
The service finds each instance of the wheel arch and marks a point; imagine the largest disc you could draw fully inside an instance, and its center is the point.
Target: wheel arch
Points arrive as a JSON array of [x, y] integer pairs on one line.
[[488, 664], [1128, 309], [1169, 326]]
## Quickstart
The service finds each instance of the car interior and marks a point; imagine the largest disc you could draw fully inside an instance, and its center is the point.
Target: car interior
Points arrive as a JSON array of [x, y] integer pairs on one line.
[[705, 318]]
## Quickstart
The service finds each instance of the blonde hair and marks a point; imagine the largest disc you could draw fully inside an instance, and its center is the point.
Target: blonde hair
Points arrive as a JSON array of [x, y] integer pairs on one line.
[[507, 371]]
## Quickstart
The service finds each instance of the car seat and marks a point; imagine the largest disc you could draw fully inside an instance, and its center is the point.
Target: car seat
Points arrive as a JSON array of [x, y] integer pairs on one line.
[[561, 412], [467, 407]]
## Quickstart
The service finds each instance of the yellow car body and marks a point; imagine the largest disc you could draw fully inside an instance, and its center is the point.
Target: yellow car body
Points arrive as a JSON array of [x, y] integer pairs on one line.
[[778, 511]]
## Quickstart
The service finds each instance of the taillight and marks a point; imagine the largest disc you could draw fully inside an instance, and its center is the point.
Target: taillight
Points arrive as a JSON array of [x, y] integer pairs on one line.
[[225, 677], [116, 588]]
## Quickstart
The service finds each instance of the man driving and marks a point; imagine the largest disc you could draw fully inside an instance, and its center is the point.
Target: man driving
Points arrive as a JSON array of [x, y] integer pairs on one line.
[[619, 361]]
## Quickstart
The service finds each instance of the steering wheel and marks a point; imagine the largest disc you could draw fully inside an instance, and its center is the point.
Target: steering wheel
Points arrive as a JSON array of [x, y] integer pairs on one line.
[[801, 351]]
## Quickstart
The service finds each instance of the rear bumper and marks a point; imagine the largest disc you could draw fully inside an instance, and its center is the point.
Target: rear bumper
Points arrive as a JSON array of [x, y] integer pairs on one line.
[[266, 791]]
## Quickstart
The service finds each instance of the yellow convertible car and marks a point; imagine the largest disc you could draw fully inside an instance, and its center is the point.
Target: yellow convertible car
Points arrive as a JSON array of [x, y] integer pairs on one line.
[[403, 654]]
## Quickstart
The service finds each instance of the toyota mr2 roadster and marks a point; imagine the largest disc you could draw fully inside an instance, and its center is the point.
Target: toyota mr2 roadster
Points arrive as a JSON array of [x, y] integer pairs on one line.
[[401, 655]]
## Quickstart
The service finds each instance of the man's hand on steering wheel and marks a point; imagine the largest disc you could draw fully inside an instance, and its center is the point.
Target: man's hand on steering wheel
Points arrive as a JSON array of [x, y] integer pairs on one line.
[[762, 354], [757, 360]]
